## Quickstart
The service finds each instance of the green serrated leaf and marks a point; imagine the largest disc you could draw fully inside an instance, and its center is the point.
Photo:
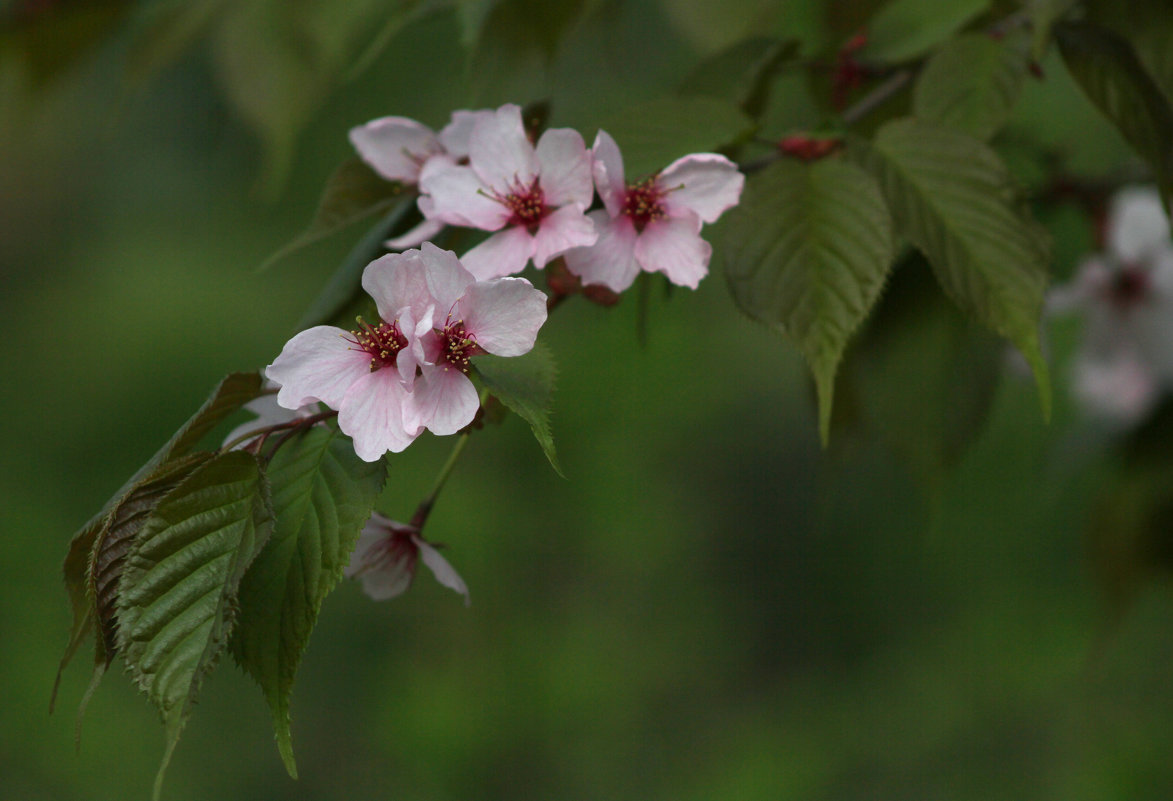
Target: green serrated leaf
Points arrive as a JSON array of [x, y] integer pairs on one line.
[[906, 29], [655, 133], [322, 495], [352, 193], [971, 84], [229, 395], [952, 197], [525, 385], [177, 593], [742, 72], [1107, 68], [346, 281], [116, 538], [108, 553], [806, 252]]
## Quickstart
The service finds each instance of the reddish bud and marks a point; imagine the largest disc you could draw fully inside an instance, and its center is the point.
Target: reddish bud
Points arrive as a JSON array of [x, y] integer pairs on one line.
[[808, 148]]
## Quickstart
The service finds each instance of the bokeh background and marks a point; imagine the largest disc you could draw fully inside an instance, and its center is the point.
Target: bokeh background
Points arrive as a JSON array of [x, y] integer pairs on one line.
[[710, 606]]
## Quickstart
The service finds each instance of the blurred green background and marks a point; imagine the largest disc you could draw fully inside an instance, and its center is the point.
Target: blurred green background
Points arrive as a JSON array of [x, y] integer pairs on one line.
[[712, 606]]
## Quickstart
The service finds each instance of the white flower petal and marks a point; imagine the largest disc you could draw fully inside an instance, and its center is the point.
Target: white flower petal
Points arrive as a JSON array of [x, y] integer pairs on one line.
[[566, 228], [447, 278], [704, 183], [455, 135], [566, 168], [1137, 225], [444, 400], [607, 165], [398, 281], [499, 151], [457, 196], [372, 414], [673, 247], [395, 147], [416, 236], [504, 315], [504, 253], [611, 260], [444, 572], [318, 364]]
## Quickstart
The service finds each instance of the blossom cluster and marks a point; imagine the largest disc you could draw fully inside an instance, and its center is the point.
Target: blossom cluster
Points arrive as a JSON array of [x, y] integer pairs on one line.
[[392, 377], [408, 369], [1124, 362], [482, 171]]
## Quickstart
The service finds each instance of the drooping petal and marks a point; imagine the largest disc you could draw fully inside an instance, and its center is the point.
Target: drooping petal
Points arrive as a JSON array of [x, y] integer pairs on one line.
[[455, 135], [444, 572], [607, 165], [674, 247], [706, 184], [446, 278], [417, 235], [566, 228], [566, 168], [318, 364], [398, 281], [444, 400], [504, 253], [499, 151], [395, 147], [611, 260], [372, 414], [504, 315], [458, 197]]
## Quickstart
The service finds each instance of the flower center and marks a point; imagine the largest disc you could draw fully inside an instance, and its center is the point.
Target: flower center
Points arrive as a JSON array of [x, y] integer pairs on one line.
[[382, 342], [1130, 286], [527, 205], [642, 202], [458, 346]]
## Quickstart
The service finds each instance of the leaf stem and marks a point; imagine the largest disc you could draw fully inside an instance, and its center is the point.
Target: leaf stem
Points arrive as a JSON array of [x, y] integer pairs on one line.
[[425, 508]]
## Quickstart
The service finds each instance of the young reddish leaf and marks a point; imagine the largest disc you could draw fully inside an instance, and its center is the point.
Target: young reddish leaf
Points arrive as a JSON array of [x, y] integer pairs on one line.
[[322, 495], [229, 395], [177, 593], [807, 252], [116, 537]]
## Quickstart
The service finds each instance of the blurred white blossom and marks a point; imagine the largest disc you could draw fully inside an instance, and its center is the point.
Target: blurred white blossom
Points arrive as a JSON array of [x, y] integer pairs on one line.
[[1125, 359]]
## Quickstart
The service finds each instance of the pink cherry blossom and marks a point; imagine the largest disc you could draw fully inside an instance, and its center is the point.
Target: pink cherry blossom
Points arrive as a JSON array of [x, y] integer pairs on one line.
[[365, 374], [654, 224], [1125, 357], [386, 555], [535, 198], [500, 316], [397, 148]]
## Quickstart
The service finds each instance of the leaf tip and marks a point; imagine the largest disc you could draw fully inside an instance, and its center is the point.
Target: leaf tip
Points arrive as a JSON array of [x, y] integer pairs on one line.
[[285, 748], [825, 390]]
